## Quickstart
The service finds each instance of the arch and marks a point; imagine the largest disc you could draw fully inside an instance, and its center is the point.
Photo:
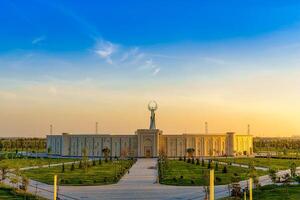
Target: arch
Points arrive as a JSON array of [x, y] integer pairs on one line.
[[148, 148]]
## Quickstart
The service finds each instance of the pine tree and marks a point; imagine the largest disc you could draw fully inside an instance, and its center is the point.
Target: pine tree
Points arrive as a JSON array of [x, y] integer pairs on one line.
[[63, 168]]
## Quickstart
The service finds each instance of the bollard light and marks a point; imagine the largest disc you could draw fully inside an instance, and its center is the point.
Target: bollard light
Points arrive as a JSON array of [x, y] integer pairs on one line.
[[250, 188], [211, 188], [55, 188]]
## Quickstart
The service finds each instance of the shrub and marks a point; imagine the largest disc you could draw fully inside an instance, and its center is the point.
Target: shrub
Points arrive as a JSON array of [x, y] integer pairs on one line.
[[115, 179], [180, 158], [105, 179], [224, 171], [66, 181], [62, 181], [72, 167], [218, 179], [95, 181], [184, 158], [209, 165], [193, 161], [80, 181], [192, 182], [202, 162], [100, 161], [198, 162], [63, 168], [181, 177], [189, 160], [94, 162], [174, 179], [80, 165], [216, 166]]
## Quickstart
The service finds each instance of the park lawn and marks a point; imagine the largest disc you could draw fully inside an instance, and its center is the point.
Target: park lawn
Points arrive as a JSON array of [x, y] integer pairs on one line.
[[273, 192], [192, 172], [94, 175], [29, 162], [278, 164], [7, 192]]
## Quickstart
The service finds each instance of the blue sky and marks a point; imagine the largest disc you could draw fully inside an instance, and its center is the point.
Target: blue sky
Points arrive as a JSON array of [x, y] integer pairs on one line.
[[241, 56]]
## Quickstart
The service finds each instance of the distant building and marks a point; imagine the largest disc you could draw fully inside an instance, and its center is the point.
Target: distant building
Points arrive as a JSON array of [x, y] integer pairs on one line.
[[150, 142]]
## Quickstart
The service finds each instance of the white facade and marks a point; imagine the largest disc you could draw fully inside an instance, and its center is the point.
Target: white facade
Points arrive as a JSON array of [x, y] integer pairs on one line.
[[149, 143]]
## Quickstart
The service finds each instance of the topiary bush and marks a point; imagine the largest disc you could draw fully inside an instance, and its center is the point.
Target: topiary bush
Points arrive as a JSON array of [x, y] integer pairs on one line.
[[198, 161]]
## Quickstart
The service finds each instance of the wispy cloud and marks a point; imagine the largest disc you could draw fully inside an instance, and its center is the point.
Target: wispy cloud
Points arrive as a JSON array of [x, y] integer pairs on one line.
[[38, 39], [105, 50], [150, 66], [156, 71], [125, 56]]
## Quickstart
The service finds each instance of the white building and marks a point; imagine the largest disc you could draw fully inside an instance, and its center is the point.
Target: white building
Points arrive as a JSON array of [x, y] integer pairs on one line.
[[150, 142]]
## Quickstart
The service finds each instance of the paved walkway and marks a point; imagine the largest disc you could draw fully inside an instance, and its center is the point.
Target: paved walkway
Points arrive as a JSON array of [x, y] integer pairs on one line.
[[140, 183]]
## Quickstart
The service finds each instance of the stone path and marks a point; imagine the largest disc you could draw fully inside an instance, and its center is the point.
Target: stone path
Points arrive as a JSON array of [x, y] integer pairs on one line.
[[140, 183]]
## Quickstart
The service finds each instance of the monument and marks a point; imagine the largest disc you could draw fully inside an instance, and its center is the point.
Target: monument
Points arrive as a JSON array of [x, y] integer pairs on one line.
[[150, 142], [152, 106]]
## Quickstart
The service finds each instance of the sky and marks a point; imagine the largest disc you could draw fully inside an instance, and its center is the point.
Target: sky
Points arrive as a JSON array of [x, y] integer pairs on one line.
[[74, 63]]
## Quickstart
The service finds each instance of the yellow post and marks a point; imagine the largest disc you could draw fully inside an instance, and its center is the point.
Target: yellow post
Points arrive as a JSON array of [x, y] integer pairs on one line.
[[245, 196], [211, 188], [55, 187], [250, 188]]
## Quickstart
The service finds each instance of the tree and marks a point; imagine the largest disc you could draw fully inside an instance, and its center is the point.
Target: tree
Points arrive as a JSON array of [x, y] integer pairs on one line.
[[216, 166], [272, 175], [85, 158], [253, 174], [4, 171], [14, 180], [72, 167], [190, 152], [25, 183], [63, 168], [293, 169], [106, 152], [209, 166], [205, 177]]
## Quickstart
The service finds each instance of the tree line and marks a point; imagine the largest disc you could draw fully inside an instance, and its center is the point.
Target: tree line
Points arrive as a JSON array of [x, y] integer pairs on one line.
[[22, 144]]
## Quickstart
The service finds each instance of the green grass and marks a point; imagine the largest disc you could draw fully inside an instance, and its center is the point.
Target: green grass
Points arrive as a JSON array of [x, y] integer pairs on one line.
[[28, 162], [8, 193], [189, 172], [278, 164], [273, 192], [94, 175]]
